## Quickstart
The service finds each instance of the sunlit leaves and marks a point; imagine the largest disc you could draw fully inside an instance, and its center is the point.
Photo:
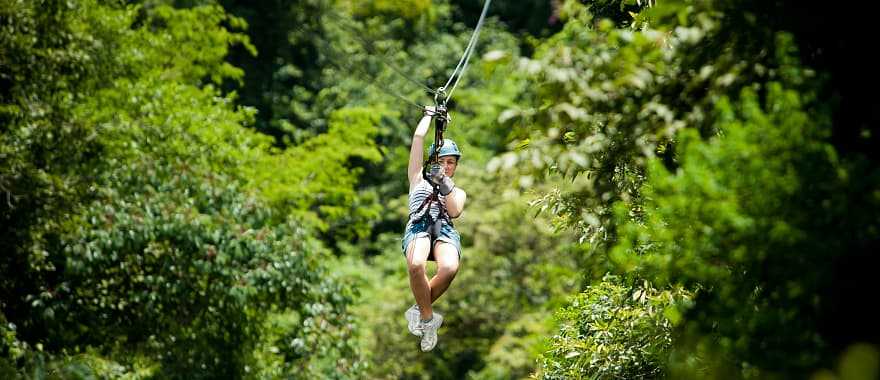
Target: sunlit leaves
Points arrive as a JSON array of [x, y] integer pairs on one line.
[[636, 131], [134, 231], [731, 221], [611, 330]]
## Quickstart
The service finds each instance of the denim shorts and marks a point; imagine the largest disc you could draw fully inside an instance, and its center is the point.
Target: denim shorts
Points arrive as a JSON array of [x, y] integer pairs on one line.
[[419, 229]]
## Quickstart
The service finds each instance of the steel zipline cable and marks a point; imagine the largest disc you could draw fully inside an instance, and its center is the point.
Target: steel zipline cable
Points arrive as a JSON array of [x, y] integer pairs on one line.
[[441, 96], [368, 46], [373, 81], [466, 56]]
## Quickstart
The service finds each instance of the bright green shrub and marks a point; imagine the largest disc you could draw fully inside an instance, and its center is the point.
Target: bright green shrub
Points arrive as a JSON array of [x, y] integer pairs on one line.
[[613, 331]]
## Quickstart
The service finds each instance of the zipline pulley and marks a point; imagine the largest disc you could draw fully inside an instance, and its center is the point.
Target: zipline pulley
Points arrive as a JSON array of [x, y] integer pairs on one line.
[[441, 121]]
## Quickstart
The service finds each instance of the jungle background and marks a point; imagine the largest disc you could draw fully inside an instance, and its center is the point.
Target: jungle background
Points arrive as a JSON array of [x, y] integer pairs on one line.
[[657, 189]]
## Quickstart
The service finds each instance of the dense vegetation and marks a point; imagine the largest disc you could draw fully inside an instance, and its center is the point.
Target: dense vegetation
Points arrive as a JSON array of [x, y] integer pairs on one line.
[[215, 189]]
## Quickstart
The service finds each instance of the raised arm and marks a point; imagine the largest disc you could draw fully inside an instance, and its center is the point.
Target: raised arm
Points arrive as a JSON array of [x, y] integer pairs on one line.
[[455, 202], [416, 155]]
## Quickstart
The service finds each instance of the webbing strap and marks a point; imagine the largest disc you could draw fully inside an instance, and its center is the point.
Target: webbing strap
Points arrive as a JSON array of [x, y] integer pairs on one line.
[[427, 212]]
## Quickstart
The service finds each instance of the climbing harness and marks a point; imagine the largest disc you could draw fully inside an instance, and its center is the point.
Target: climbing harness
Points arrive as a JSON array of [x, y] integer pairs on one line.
[[434, 225]]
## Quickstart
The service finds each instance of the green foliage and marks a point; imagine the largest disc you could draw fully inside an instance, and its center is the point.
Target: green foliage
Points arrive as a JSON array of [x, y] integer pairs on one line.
[[593, 120], [19, 360], [200, 43], [40, 145], [752, 221], [858, 362], [613, 331], [409, 9], [185, 268], [282, 79], [748, 217], [623, 13], [525, 18], [152, 253], [514, 354], [608, 100], [317, 181]]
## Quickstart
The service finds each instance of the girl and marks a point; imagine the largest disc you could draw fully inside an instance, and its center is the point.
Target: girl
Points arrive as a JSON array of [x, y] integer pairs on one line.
[[430, 234]]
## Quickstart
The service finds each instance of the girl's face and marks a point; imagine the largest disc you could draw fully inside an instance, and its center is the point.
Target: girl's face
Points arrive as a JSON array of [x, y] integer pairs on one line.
[[449, 163]]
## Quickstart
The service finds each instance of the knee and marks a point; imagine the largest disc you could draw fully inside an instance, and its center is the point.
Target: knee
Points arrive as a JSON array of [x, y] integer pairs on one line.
[[448, 269], [417, 268]]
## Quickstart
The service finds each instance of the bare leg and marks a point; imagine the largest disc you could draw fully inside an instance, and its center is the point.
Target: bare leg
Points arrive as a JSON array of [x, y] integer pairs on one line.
[[447, 266], [416, 258]]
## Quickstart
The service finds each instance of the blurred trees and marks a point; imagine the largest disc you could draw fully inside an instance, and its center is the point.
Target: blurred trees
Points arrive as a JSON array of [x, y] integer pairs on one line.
[[690, 146], [132, 230]]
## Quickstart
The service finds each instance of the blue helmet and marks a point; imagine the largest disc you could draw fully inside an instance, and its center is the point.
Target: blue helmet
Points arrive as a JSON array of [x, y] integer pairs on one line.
[[449, 148]]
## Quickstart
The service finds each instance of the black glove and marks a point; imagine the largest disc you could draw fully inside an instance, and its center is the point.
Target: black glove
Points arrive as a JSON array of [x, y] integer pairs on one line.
[[440, 179]]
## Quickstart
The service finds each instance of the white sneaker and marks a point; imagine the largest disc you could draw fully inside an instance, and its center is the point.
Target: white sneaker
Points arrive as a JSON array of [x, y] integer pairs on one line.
[[412, 316], [429, 332]]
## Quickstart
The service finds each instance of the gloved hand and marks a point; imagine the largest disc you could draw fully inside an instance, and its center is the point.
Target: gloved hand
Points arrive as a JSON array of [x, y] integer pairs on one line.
[[440, 179]]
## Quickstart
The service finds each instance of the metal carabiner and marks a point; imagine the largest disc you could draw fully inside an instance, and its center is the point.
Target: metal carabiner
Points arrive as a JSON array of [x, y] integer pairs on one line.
[[440, 97]]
